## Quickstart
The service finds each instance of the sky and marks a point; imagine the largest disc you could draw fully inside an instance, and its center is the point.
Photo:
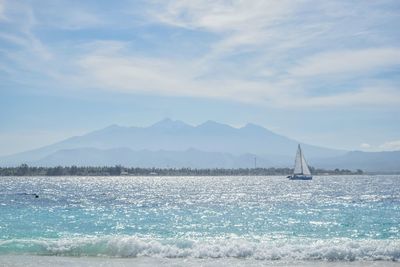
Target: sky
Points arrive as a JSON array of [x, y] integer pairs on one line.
[[322, 72]]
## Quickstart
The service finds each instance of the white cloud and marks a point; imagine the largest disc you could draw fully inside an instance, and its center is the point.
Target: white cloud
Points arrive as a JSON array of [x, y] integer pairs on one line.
[[362, 97], [155, 76], [277, 74], [274, 30], [22, 20], [391, 145], [236, 23], [347, 61], [220, 15], [365, 146], [109, 67]]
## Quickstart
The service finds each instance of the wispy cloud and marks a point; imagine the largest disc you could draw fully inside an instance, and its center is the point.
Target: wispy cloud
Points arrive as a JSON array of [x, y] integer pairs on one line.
[[391, 145], [348, 62], [117, 71], [270, 53], [362, 97], [21, 20], [277, 31], [220, 16], [238, 24]]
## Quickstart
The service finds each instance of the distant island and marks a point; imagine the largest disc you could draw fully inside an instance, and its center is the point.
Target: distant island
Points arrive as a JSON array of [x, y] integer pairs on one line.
[[25, 170], [172, 144]]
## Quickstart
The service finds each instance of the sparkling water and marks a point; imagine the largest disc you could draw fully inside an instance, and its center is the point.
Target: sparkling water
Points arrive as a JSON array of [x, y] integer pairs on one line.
[[258, 220]]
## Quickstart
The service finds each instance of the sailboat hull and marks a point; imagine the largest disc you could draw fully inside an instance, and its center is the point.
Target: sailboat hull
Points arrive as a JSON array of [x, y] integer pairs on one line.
[[300, 177]]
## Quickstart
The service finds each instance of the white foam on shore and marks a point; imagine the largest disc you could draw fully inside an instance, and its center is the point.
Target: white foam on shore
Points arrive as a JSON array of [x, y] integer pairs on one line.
[[267, 250]]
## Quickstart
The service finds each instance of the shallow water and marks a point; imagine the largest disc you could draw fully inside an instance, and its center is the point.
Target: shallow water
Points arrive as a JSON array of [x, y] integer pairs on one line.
[[250, 219]]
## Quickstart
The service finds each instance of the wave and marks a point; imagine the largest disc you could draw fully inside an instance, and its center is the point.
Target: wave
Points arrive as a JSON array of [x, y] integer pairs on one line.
[[127, 246]]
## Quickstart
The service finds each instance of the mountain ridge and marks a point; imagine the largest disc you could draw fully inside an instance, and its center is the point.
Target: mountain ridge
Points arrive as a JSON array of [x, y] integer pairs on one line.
[[174, 138], [176, 135]]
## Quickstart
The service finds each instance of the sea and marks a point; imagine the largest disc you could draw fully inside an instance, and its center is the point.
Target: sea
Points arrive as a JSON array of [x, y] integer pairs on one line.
[[200, 221]]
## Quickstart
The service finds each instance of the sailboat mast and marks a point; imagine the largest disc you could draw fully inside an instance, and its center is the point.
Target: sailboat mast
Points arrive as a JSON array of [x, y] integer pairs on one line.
[[301, 159]]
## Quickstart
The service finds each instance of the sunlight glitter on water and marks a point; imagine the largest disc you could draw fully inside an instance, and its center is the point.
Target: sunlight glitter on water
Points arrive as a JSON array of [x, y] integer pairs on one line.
[[331, 218]]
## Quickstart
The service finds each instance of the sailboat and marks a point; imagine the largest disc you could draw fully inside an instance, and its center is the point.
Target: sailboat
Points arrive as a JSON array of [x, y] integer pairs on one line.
[[301, 170]]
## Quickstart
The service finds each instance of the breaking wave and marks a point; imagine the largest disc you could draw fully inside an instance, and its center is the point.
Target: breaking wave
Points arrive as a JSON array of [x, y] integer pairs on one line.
[[127, 246]]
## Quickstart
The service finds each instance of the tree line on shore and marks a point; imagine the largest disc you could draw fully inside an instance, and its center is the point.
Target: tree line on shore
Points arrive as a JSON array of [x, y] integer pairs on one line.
[[25, 170]]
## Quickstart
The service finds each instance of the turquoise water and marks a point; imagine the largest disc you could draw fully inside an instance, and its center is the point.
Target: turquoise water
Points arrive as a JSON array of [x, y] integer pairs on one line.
[[331, 218]]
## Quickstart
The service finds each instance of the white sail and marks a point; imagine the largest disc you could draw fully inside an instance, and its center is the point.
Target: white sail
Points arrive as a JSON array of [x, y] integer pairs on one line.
[[300, 164], [306, 170]]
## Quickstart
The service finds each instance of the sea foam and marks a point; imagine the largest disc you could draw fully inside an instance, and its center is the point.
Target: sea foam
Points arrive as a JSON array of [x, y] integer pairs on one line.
[[129, 247]]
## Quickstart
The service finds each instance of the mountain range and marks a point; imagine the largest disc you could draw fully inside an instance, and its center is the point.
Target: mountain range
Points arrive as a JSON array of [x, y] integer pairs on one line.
[[171, 143]]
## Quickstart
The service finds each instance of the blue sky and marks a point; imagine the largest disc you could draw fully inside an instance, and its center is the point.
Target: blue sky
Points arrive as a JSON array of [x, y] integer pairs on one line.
[[322, 72]]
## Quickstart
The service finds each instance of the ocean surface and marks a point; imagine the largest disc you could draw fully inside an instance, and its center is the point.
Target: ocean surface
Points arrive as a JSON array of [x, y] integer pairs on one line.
[[209, 221]]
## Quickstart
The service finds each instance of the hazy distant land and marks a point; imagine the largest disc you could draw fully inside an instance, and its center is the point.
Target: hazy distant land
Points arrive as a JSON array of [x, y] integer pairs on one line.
[[25, 170], [211, 145]]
